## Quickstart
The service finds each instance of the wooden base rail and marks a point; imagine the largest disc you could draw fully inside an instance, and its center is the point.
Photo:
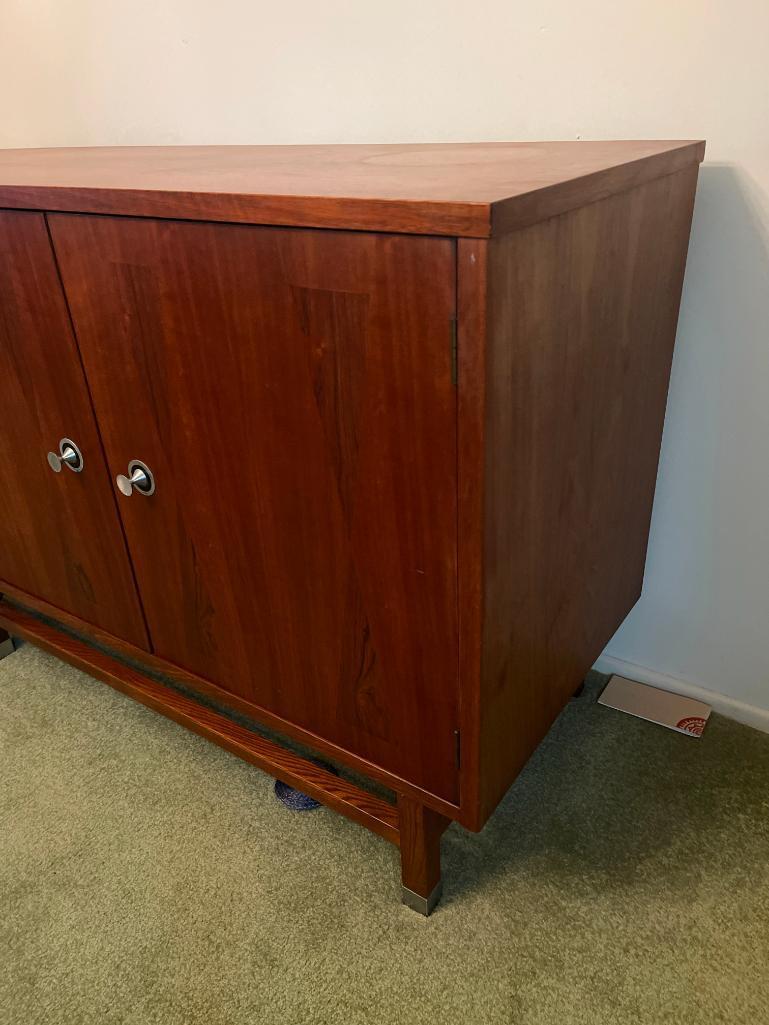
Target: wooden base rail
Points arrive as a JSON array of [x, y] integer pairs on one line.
[[371, 811], [411, 826], [225, 701]]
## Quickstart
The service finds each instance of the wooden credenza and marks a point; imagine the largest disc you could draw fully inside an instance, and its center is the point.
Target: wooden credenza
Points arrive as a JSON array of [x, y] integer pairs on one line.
[[358, 441]]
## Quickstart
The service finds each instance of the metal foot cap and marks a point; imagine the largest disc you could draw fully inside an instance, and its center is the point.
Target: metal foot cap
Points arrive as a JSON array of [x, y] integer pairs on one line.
[[424, 905]]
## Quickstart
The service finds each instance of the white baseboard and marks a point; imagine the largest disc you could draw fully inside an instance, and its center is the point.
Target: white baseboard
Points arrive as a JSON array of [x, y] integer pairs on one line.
[[758, 718]]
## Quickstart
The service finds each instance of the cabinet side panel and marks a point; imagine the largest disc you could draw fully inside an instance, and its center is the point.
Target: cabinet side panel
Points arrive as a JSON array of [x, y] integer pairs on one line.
[[472, 268], [581, 324]]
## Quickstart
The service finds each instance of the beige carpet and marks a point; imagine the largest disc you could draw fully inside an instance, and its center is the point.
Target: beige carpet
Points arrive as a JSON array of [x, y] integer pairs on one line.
[[148, 876]]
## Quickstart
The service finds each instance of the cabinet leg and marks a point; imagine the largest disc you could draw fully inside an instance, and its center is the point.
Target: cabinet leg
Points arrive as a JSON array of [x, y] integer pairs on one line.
[[6, 644], [420, 843]]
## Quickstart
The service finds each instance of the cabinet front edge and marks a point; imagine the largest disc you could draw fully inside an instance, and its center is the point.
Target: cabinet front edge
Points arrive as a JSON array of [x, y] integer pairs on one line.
[[455, 219]]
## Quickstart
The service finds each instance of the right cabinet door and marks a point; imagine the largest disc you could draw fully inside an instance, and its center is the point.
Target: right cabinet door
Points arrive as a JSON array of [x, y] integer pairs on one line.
[[291, 392]]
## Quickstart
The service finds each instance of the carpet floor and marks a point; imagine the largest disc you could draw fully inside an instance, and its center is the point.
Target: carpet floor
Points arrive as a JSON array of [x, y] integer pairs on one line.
[[147, 876]]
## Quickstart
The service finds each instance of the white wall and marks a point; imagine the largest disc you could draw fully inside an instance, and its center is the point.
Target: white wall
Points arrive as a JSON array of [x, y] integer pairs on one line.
[[194, 71]]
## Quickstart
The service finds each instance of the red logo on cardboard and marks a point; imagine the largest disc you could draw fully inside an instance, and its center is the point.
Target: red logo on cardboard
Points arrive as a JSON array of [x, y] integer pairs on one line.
[[693, 724]]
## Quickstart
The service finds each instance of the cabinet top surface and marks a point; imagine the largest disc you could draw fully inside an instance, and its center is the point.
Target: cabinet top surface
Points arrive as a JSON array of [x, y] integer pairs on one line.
[[470, 189]]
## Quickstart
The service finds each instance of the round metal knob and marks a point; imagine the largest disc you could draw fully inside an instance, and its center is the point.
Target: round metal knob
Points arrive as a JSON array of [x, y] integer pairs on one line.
[[139, 479], [68, 455]]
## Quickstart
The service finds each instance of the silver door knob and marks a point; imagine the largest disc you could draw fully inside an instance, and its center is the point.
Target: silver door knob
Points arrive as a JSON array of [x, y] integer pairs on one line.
[[68, 455], [139, 479]]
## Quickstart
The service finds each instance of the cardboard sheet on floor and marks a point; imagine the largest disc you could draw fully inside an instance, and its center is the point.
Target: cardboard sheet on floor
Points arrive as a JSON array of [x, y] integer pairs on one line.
[[672, 710]]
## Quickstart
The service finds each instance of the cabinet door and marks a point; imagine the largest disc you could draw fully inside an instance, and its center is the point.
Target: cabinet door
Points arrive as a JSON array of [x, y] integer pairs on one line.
[[60, 535], [291, 391]]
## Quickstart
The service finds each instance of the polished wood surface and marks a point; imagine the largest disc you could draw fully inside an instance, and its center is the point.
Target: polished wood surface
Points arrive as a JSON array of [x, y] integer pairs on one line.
[[367, 809], [292, 393], [404, 482], [420, 843], [195, 684], [472, 305], [580, 321], [461, 189], [60, 536]]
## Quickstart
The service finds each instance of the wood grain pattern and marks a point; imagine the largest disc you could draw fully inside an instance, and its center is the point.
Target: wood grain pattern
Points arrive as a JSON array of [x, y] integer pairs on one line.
[[224, 698], [60, 536], [458, 189], [292, 393], [420, 843], [367, 809], [472, 303], [581, 320]]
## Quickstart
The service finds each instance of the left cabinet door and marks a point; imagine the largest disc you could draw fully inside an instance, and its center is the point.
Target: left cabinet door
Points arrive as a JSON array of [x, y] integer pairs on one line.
[[60, 536]]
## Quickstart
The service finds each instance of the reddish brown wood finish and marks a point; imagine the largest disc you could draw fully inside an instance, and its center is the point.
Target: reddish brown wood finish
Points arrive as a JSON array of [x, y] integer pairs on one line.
[[196, 684], [353, 540], [370, 811], [420, 842], [580, 320], [472, 276], [462, 189], [292, 393], [60, 536]]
